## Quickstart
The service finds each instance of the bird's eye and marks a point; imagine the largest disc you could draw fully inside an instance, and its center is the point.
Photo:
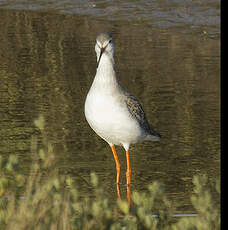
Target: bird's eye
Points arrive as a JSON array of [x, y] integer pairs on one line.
[[110, 40]]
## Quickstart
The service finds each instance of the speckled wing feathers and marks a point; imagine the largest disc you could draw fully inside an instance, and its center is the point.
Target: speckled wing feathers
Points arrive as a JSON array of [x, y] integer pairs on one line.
[[137, 111]]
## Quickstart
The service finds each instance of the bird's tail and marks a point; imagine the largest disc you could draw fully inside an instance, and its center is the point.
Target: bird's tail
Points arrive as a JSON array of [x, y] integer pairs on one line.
[[153, 136]]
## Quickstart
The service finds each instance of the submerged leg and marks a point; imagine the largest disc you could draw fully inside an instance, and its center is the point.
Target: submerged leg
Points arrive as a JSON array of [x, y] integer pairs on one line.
[[117, 164]]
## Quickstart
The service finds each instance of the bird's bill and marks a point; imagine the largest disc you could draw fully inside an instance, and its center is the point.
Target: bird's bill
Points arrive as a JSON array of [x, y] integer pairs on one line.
[[102, 51]]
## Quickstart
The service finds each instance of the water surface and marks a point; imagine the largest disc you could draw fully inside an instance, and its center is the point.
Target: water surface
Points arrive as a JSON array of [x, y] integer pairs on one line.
[[47, 64]]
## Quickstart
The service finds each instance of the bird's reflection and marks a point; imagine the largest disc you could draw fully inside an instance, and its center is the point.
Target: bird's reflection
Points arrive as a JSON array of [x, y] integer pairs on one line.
[[118, 191], [128, 193]]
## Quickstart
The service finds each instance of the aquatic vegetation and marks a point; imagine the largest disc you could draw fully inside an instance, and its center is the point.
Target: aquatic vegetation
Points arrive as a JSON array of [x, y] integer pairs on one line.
[[47, 200]]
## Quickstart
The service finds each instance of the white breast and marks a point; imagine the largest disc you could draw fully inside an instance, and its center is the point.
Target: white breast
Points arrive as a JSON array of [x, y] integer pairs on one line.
[[110, 119]]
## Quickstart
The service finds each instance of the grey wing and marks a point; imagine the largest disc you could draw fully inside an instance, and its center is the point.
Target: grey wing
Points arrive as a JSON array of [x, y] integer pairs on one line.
[[137, 111]]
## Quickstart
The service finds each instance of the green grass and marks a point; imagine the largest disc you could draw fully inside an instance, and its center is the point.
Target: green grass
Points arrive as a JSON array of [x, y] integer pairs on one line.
[[47, 200]]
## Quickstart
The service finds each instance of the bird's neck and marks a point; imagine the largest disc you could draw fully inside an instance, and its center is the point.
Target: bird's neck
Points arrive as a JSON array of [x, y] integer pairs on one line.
[[106, 77]]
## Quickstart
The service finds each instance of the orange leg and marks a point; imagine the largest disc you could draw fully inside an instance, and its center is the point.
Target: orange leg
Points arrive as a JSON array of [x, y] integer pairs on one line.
[[128, 173], [117, 164]]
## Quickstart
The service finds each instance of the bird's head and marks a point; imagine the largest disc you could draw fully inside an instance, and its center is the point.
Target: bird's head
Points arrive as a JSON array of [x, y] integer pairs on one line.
[[104, 45]]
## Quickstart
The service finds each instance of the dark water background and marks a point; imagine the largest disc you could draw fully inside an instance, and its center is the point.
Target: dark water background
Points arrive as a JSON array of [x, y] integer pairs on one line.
[[167, 54]]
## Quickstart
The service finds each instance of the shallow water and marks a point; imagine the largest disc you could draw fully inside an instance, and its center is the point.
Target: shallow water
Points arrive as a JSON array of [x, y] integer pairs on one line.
[[47, 64], [187, 15]]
